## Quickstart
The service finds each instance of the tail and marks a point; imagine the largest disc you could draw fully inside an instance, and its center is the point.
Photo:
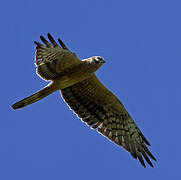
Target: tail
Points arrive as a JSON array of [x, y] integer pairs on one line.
[[35, 97]]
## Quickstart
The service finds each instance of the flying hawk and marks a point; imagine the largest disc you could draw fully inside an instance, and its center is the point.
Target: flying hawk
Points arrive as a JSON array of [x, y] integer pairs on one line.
[[86, 96]]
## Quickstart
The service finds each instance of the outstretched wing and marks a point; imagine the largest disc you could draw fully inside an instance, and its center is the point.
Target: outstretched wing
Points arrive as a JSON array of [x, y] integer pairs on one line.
[[95, 105], [51, 59]]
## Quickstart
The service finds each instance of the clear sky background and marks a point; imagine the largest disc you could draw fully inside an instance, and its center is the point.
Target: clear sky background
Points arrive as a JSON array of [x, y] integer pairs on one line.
[[141, 43]]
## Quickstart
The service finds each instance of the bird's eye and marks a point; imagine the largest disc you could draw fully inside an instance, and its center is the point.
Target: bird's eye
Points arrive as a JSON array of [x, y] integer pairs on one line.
[[98, 59]]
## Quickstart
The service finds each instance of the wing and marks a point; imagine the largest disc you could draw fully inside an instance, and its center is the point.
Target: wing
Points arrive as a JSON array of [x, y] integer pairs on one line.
[[52, 59], [95, 105]]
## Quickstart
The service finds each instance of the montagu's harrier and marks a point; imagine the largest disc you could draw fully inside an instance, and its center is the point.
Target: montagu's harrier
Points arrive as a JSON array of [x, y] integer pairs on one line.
[[93, 103]]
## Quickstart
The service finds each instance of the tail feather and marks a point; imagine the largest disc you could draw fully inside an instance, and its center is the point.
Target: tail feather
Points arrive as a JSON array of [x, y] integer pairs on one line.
[[35, 97]]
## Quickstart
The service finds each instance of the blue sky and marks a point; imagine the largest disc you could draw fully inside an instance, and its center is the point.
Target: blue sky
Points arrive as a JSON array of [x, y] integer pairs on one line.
[[141, 43]]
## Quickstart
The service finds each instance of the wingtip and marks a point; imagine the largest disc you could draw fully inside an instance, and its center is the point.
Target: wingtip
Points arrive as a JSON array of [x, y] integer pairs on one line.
[[48, 34], [154, 158], [37, 43], [51, 39], [42, 38], [62, 44], [143, 165], [148, 143]]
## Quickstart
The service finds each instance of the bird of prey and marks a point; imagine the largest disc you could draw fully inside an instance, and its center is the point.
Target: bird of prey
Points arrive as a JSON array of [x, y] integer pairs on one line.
[[86, 96]]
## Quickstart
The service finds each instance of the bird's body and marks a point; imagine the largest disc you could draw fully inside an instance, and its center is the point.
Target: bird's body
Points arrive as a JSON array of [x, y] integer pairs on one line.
[[93, 103]]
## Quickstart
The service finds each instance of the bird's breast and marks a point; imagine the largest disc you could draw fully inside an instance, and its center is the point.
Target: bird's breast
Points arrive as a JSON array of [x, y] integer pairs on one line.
[[71, 76]]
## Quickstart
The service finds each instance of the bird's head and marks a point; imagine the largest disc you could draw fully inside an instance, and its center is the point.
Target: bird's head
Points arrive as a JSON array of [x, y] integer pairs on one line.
[[98, 60], [94, 63]]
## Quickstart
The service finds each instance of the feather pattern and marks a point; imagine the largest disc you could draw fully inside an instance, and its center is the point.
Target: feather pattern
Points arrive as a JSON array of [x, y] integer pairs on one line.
[[117, 126], [93, 103], [52, 59]]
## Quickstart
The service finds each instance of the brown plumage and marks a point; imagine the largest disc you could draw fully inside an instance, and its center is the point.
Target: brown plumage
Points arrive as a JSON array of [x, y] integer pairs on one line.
[[93, 103]]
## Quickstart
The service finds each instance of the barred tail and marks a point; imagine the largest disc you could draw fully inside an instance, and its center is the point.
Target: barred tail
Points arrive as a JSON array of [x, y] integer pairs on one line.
[[35, 97]]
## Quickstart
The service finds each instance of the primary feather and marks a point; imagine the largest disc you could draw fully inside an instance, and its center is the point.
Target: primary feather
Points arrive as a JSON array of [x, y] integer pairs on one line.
[[51, 60], [95, 105]]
